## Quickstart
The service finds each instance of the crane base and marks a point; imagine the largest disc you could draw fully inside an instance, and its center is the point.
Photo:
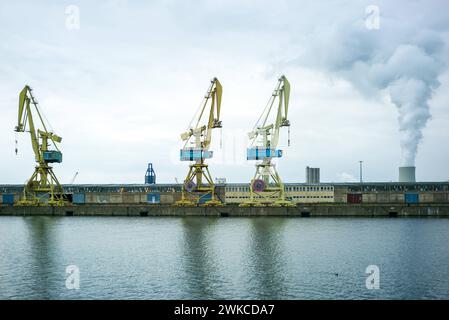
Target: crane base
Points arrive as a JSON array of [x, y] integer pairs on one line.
[[253, 204], [184, 203], [277, 203], [188, 203], [212, 203], [37, 203], [28, 203], [282, 203]]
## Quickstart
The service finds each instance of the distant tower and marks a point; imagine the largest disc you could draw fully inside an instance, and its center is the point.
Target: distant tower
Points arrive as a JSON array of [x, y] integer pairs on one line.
[[407, 174], [150, 175], [312, 175]]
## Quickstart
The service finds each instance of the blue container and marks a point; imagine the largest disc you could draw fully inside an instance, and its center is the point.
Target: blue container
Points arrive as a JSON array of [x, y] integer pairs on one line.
[[153, 197], [411, 198], [52, 156], [191, 154], [79, 198], [8, 199], [205, 198], [262, 153]]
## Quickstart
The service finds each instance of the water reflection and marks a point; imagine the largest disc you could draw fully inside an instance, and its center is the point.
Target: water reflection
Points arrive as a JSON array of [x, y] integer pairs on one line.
[[42, 249], [235, 258], [199, 262], [266, 260]]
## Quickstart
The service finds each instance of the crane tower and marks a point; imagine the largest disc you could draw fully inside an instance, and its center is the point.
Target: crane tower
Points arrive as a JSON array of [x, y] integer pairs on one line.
[[198, 186], [266, 187], [43, 188]]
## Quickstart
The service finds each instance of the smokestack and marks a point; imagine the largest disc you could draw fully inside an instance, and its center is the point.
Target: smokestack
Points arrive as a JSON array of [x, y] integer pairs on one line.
[[407, 174]]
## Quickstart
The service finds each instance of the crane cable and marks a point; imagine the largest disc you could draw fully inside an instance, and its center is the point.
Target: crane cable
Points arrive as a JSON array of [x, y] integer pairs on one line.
[[202, 105], [189, 127], [45, 118], [41, 113], [260, 117], [263, 112], [195, 115], [198, 112]]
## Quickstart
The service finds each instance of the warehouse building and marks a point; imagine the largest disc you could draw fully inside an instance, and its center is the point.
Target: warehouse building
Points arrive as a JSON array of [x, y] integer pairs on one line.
[[351, 193]]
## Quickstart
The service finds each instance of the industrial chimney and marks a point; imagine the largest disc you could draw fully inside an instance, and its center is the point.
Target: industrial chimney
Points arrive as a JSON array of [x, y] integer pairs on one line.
[[407, 174]]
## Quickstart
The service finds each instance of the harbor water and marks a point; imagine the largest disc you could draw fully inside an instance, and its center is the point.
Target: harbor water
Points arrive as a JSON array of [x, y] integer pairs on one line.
[[223, 258]]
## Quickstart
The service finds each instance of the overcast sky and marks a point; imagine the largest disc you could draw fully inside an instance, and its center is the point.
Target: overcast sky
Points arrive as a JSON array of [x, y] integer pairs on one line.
[[121, 85]]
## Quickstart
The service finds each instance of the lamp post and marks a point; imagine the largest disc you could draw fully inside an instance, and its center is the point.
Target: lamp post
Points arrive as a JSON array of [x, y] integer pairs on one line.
[[361, 176]]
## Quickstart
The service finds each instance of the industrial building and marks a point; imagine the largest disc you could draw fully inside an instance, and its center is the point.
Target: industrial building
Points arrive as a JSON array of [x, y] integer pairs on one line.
[[312, 175], [235, 193]]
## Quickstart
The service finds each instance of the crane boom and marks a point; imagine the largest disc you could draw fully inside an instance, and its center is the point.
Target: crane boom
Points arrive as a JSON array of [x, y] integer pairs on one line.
[[284, 98], [26, 117], [282, 92], [213, 94]]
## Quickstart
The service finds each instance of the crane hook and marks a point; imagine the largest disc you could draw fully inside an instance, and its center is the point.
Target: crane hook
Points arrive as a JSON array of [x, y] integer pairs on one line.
[[16, 149]]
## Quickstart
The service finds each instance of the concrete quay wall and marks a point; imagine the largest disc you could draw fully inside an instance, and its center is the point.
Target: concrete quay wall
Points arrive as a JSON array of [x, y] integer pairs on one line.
[[312, 210]]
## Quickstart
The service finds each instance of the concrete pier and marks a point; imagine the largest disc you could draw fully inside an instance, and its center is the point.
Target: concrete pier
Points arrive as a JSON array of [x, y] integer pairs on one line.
[[310, 210]]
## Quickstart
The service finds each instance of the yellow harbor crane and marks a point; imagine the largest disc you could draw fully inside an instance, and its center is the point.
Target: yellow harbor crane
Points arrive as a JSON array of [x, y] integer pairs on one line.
[[266, 187], [43, 188], [198, 186]]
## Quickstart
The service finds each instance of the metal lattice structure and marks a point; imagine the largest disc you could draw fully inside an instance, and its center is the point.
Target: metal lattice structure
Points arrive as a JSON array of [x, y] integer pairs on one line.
[[43, 188], [266, 187], [198, 186]]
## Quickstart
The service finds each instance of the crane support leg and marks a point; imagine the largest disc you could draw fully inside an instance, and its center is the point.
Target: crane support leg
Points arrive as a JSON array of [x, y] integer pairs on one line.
[[43, 188], [194, 189], [273, 194]]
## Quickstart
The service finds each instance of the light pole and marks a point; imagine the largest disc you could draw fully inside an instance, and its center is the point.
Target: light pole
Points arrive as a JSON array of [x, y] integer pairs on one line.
[[361, 177]]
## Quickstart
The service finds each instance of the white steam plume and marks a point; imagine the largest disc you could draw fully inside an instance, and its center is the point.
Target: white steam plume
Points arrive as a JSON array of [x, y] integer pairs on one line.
[[403, 65]]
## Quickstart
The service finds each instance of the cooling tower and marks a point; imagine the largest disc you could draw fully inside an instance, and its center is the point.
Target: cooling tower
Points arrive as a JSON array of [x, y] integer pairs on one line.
[[407, 174]]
